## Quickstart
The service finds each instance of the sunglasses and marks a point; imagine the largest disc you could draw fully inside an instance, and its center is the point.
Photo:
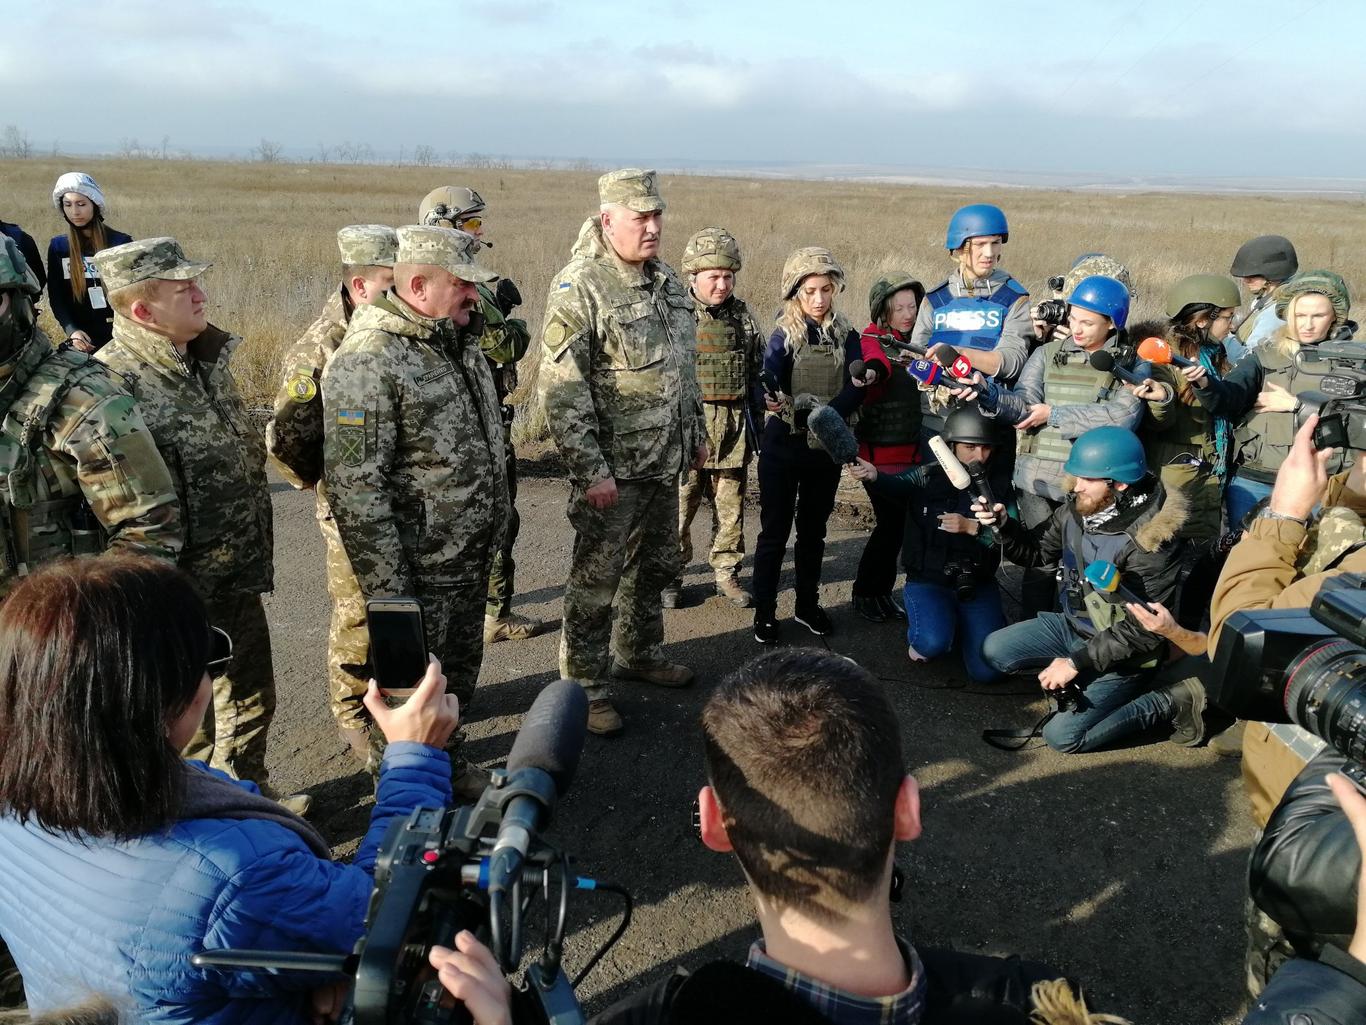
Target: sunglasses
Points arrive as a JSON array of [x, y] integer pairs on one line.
[[471, 224], [220, 653]]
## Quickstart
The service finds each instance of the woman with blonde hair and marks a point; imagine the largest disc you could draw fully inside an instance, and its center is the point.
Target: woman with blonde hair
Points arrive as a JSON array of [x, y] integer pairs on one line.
[[1261, 393], [806, 364], [73, 283]]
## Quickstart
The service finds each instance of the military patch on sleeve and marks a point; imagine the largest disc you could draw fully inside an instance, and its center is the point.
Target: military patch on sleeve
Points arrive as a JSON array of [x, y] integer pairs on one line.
[[302, 388], [351, 445], [555, 334], [350, 418], [565, 284]]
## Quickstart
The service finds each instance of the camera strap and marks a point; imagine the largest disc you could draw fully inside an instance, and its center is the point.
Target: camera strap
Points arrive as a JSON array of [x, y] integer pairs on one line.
[[1014, 740]]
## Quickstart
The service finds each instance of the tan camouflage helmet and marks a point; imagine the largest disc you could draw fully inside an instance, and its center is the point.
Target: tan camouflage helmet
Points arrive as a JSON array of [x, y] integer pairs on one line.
[[144, 260], [711, 249], [367, 245], [1098, 265], [447, 248], [443, 207], [1324, 282], [804, 262], [14, 270], [632, 188]]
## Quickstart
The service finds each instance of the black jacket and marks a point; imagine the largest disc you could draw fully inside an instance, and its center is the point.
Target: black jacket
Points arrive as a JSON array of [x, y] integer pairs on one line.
[[1148, 556], [28, 249], [1327, 992], [1304, 870], [962, 989]]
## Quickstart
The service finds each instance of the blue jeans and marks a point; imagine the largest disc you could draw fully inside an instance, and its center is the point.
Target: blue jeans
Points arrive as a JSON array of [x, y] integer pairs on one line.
[[1241, 496], [934, 615], [1111, 707]]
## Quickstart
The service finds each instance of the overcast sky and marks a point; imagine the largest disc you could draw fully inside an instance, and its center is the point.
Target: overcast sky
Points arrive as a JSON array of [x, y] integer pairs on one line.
[[1214, 88]]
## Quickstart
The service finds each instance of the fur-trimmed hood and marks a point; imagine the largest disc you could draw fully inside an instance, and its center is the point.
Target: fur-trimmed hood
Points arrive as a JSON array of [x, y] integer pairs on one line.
[[1153, 521]]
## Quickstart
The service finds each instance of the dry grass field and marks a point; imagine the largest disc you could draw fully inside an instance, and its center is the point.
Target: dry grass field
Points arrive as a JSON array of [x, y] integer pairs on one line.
[[269, 230]]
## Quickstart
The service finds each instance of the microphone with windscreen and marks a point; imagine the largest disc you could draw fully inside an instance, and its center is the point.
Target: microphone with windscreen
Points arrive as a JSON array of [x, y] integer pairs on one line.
[[833, 434], [1104, 361], [859, 368], [1104, 577], [953, 469], [540, 768], [1156, 350], [925, 371]]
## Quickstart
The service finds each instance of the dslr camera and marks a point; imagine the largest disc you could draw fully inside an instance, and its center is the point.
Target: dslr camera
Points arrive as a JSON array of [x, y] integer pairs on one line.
[[1053, 312], [1340, 400], [962, 577], [1301, 666]]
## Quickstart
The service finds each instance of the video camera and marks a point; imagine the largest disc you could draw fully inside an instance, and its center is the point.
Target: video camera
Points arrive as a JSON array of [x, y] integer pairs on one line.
[[477, 867], [1340, 401], [1306, 666]]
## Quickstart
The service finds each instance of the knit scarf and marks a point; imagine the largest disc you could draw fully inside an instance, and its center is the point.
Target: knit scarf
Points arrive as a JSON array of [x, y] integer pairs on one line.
[[1223, 429], [212, 797]]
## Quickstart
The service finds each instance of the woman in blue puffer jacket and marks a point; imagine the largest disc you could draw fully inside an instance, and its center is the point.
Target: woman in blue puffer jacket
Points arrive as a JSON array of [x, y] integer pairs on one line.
[[121, 860]]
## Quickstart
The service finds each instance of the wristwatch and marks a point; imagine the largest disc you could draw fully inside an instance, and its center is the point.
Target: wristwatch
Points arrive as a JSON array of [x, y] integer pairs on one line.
[[1269, 514]]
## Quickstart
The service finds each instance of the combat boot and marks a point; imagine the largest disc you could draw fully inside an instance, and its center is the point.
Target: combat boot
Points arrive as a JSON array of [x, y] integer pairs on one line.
[[661, 673], [512, 627], [1188, 711], [672, 595], [603, 719], [296, 803], [1228, 743], [468, 781], [357, 740], [728, 587]]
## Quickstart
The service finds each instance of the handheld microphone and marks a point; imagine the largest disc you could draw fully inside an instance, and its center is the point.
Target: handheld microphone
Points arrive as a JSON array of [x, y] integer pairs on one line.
[[961, 367], [770, 384], [897, 343], [1156, 350], [925, 371], [980, 487], [1105, 362], [833, 434], [540, 768], [858, 369], [953, 469], [1104, 577]]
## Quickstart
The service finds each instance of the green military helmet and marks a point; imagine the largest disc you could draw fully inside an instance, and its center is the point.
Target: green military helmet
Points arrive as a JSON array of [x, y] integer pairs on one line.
[[1202, 290], [889, 285], [1091, 265], [1323, 282], [1108, 453], [968, 425], [806, 261], [14, 271], [711, 249]]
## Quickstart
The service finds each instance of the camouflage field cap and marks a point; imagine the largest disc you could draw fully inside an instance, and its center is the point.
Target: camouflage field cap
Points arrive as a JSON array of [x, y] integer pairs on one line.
[[14, 271], [368, 245], [632, 188], [448, 248], [144, 260], [711, 249]]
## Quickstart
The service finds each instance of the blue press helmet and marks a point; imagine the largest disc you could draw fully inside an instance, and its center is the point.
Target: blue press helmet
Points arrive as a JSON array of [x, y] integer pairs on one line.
[[1107, 453], [1102, 295], [974, 220]]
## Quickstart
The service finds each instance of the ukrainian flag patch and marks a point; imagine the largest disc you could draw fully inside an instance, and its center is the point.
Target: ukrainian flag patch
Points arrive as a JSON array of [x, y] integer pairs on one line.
[[351, 417]]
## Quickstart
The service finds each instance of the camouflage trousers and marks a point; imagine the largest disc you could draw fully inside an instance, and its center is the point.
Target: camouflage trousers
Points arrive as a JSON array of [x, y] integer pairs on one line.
[[501, 577], [724, 491], [623, 557], [233, 734], [348, 643]]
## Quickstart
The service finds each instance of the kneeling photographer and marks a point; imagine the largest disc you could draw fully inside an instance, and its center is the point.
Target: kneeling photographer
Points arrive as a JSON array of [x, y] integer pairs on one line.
[[1286, 636]]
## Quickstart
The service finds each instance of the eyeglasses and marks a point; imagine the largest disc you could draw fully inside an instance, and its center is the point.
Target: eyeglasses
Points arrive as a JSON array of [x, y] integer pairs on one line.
[[471, 224], [220, 653]]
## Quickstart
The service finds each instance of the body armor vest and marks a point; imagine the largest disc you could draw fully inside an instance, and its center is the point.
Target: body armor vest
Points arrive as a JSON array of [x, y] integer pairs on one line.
[[1068, 380], [720, 355], [1265, 439], [818, 370], [969, 322], [894, 419], [45, 513]]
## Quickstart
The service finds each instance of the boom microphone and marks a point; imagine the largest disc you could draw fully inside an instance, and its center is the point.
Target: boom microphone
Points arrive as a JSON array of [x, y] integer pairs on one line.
[[1156, 350], [1104, 577], [1104, 361], [833, 434], [953, 469], [540, 768]]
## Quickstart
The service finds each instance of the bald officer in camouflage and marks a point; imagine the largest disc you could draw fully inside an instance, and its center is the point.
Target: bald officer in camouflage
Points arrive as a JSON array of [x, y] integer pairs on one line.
[[294, 439], [504, 342], [620, 394], [729, 357], [413, 458], [177, 366]]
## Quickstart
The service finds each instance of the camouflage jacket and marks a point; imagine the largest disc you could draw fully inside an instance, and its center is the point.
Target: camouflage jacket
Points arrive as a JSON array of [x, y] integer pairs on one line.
[[413, 453], [504, 341], [294, 435], [617, 379], [79, 470], [728, 442], [216, 456]]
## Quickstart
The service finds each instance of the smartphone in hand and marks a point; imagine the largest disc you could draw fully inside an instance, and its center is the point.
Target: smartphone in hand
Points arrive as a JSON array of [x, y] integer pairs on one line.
[[398, 644]]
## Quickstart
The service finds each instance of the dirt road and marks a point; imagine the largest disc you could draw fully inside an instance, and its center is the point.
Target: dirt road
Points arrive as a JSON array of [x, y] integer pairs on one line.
[[1126, 869]]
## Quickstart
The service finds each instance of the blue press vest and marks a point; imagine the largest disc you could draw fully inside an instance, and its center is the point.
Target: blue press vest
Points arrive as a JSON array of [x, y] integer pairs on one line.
[[968, 322], [1079, 550]]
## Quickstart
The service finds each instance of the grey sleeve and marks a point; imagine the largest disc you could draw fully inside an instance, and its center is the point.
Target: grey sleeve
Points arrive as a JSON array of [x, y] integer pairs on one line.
[[1121, 409], [1013, 404], [1016, 337]]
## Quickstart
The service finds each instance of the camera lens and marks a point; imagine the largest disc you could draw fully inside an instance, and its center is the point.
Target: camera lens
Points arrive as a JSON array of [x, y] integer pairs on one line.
[[1325, 693]]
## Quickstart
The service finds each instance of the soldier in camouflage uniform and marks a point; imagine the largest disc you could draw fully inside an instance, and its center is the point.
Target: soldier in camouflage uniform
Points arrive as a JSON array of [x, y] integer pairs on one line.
[[79, 471], [504, 342], [176, 364], [729, 356], [294, 439], [619, 388], [413, 458]]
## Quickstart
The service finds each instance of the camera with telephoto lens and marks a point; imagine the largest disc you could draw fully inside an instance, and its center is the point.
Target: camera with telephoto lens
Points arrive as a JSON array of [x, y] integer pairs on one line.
[[962, 577], [1052, 311], [1340, 399], [477, 867], [1301, 666]]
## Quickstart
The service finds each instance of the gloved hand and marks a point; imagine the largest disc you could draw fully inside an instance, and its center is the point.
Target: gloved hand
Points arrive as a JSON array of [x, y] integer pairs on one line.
[[506, 296]]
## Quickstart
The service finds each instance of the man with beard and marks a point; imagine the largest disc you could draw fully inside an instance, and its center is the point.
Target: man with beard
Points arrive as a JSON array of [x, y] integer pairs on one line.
[[1093, 655]]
